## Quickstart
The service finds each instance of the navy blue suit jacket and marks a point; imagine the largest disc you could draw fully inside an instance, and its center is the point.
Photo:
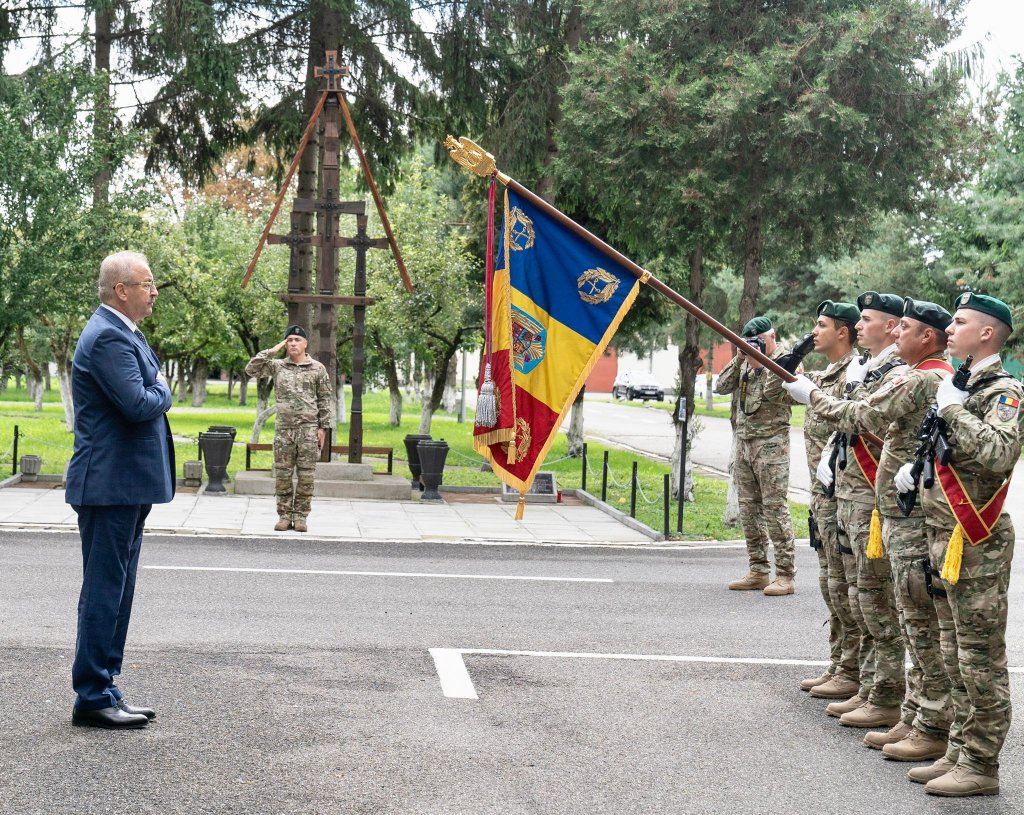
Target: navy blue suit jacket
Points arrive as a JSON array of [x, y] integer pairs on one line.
[[123, 448]]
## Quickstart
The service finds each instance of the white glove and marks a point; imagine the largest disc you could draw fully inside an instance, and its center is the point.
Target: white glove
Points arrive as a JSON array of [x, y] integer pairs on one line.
[[856, 371], [824, 472], [800, 389], [949, 394], [903, 479]]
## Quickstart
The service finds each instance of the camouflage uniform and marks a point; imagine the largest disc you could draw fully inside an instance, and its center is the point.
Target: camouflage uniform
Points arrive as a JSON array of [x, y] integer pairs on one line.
[[844, 635], [761, 469], [986, 436], [898, 406], [871, 592], [303, 406]]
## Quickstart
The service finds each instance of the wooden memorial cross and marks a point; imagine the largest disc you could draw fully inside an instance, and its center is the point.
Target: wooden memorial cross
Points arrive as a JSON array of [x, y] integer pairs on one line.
[[330, 107]]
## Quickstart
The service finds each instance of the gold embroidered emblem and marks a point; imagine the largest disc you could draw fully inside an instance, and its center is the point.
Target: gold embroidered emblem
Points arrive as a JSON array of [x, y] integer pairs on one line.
[[523, 439], [596, 285], [520, 231]]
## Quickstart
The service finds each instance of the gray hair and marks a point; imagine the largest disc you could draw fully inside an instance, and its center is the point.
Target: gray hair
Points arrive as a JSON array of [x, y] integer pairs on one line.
[[117, 268]]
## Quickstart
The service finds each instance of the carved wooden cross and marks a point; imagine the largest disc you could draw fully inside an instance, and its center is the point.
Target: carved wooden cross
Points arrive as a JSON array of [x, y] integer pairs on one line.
[[332, 71]]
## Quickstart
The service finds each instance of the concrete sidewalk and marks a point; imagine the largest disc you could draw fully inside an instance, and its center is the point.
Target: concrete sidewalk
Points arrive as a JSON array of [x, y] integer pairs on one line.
[[487, 519]]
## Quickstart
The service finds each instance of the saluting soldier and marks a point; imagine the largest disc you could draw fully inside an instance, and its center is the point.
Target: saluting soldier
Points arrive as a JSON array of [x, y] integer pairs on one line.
[[897, 409], [971, 541], [834, 336], [761, 468], [882, 676], [304, 414]]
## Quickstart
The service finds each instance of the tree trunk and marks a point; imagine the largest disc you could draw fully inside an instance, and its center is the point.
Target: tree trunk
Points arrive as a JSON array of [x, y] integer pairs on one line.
[[64, 383], [182, 385], [264, 410], [33, 371], [693, 429], [47, 384], [102, 118], [200, 373], [689, 356], [709, 374], [3, 378], [342, 409], [60, 347], [394, 390], [573, 32], [231, 383], [243, 391], [575, 432], [449, 397], [753, 250]]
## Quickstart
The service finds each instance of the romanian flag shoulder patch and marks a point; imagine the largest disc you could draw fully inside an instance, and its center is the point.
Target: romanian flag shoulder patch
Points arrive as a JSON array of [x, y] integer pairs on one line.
[[1007, 407]]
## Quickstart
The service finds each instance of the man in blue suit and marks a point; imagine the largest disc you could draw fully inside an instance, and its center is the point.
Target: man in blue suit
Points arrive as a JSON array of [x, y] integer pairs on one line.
[[123, 463]]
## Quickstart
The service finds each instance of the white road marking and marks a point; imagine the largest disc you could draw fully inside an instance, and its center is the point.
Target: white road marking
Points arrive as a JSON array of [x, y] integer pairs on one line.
[[456, 682], [382, 574]]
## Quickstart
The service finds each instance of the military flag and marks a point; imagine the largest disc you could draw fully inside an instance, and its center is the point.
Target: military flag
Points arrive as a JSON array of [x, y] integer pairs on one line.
[[554, 302]]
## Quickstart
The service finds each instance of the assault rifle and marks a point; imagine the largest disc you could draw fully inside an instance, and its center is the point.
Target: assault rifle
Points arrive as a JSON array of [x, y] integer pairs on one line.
[[812, 532], [792, 360], [934, 445]]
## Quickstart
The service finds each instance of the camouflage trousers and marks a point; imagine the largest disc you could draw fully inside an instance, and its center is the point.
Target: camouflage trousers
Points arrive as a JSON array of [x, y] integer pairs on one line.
[[928, 707], [972, 626], [295, 453], [844, 635], [842, 584], [877, 601], [761, 473]]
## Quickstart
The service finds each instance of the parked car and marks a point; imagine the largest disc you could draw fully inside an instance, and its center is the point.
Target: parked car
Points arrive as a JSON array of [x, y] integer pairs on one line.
[[638, 385]]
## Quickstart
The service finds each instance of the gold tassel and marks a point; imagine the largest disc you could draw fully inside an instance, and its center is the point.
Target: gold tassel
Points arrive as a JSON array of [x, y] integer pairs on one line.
[[521, 506], [954, 556], [875, 548]]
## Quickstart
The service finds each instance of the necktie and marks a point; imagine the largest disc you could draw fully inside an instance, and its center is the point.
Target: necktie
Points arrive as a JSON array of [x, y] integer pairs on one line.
[[142, 337]]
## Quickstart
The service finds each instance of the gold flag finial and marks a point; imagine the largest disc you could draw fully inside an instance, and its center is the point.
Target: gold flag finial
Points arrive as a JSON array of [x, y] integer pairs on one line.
[[473, 157]]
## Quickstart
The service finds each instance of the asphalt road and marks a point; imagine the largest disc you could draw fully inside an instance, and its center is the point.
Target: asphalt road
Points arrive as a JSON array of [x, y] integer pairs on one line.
[[308, 692]]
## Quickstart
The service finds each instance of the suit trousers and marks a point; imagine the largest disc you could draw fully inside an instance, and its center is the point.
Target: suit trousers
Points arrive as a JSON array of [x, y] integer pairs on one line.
[[111, 543]]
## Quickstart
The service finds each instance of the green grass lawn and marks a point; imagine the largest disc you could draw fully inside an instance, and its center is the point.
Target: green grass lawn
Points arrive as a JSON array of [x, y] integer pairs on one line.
[[719, 411], [44, 434]]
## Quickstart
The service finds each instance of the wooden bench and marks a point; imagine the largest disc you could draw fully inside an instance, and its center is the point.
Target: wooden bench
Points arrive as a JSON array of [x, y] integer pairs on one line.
[[335, 448]]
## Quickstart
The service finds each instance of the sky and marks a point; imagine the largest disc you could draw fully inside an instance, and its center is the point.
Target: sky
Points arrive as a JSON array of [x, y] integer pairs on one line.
[[998, 25]]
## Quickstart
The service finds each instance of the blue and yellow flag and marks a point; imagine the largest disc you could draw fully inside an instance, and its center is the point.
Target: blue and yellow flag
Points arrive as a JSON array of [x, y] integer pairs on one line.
[[556, 302]]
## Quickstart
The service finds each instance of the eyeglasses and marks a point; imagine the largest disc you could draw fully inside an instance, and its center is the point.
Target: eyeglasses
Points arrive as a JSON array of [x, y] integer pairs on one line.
[[149, 284]]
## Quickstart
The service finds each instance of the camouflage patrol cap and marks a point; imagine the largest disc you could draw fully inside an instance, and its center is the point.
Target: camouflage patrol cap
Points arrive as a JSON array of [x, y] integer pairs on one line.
[[889, 303], [297, 330], [757, 326], [844, 312], [928, 313], [985, 303]]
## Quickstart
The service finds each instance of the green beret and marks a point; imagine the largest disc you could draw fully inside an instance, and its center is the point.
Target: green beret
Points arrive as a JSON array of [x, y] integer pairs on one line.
[[985, 303], [297, 330], [844, 312], [928, 313], [889, 303], [757, 326]]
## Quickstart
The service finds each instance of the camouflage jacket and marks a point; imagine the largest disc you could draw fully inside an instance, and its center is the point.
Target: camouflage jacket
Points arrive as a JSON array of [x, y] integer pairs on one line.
[[758, 414], [986, 435], [894, 411], [851, 483], [817, 428], [303, 389]]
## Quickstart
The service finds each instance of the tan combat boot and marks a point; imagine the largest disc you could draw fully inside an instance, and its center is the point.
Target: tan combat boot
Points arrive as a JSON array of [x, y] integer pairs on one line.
[[922, 775], [870, 715], [876, 740], [753, 581], [839, 687], [781, 586], [283, 523], [917, 746], [299, 524], [840, 708], [814, 681], [961, 782]]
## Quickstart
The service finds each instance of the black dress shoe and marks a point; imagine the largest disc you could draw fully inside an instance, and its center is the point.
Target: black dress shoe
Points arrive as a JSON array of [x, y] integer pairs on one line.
[[111, 718], [148, 712]]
